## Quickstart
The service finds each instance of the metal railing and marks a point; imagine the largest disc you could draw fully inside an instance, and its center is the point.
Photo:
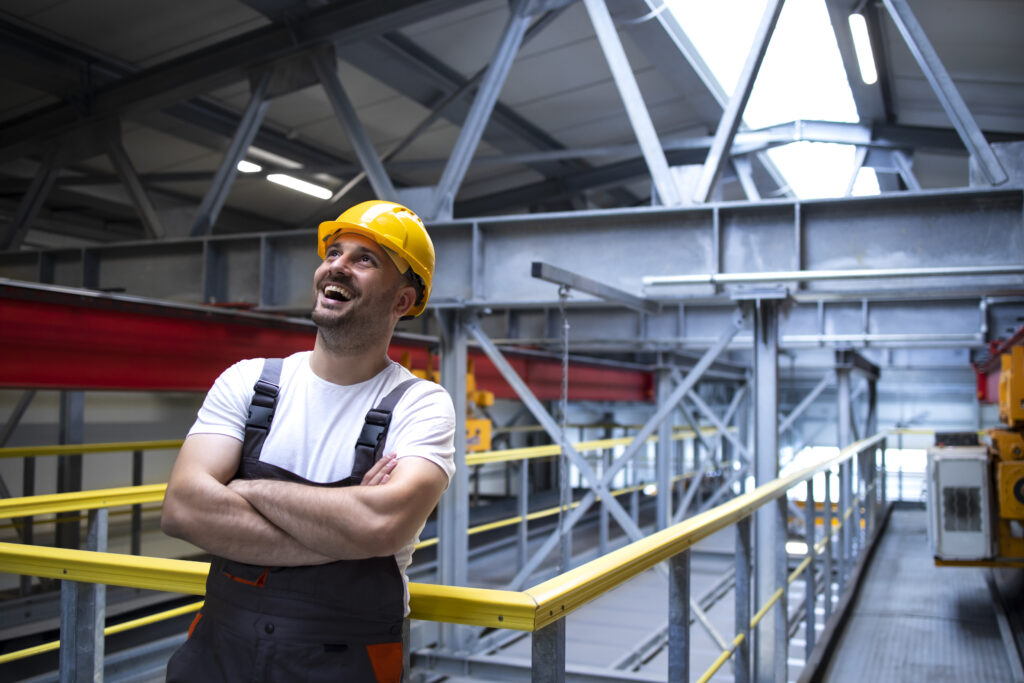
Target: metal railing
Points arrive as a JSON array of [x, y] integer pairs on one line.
[[541, 609]]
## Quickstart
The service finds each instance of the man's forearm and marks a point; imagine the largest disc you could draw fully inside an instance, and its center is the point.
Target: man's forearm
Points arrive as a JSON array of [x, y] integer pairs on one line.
[[223, 523], [328, 519]]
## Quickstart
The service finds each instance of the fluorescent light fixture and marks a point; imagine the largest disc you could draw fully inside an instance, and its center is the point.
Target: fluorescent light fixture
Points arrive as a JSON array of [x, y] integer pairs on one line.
[[862, 46], [300, 185], [796, 548], [651, 490], [271, 158], [249, 167]]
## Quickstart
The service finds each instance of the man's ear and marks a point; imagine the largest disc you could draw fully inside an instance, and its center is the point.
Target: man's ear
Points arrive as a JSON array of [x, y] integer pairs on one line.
[[405, 300]]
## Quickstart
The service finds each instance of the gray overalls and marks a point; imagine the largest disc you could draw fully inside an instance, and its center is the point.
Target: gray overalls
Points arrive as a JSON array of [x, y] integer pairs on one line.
[[340, 621]]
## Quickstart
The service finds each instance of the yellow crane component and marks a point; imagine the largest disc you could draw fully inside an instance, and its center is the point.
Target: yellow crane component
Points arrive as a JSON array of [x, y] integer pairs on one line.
[[478, 429]]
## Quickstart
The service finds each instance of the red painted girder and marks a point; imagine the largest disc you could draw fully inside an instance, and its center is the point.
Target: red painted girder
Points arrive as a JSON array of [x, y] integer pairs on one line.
[[61, 339]]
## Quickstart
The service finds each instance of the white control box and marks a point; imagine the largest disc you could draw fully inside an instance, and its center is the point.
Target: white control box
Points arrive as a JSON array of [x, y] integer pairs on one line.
[[960, 503]]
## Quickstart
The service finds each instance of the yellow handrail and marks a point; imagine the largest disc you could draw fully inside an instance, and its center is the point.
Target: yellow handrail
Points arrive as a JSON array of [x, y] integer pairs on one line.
[[474, 459], [76, 448], [567, 592], [527, 610], [80, 500]]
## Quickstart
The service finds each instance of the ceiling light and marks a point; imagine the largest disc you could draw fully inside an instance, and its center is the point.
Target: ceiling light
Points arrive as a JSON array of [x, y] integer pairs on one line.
[[862, 46], [249, 167], [300, 185]]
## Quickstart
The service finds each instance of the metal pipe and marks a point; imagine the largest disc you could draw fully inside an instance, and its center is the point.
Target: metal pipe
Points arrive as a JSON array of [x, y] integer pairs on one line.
[[817, 275]]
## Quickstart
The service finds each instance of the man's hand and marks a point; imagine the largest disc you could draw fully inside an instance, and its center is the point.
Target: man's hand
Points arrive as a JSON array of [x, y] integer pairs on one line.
[[351, 522], [380, 473], [199, 508]]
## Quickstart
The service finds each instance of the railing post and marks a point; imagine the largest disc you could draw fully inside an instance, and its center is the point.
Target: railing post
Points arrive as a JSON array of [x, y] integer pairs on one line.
[[679, 617], [547, 663], [137, 509], [830, 546], [741, 671], [883, 472], [83, 613], [524, 509], [810, 591]]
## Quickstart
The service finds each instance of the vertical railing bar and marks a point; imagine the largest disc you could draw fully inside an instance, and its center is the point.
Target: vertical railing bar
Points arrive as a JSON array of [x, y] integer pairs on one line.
[[679, 617], [741, 671], [136, 547], [810, 591], [830, 546], [547, 662]]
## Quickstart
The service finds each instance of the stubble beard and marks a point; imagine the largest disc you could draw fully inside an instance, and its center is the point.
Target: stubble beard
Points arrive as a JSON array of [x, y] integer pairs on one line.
[[355, 330]]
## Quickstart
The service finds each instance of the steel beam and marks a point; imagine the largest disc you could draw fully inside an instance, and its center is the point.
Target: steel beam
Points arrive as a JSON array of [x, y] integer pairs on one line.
[[944, 88], [32, 201], [632, 99], [723, 429], [453, 510], [733, 114], [327, 71], [130, 179], [770, 520], [599, 486], [208, 69], [560, 276], [480, 111], [217, 194], [805, 403]]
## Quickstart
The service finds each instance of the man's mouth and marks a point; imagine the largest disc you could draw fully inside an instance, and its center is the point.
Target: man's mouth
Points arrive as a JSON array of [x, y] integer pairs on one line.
[[338, 293]]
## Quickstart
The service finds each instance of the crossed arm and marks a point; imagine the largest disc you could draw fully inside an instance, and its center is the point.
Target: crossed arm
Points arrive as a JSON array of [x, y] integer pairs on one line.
[[287, 524]]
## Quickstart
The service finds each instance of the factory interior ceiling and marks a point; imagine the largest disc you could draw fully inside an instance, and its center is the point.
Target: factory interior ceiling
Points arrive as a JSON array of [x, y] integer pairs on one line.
[[577, 134]]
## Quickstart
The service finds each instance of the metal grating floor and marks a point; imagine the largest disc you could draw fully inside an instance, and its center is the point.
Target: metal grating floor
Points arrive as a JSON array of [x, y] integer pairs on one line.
[[914, 621]]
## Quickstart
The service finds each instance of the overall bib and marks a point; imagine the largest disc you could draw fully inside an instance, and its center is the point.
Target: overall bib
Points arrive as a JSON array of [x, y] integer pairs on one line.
[[340, 621]]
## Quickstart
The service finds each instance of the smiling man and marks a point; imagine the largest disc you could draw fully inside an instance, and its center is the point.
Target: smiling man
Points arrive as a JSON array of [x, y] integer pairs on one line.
[[309, 478]]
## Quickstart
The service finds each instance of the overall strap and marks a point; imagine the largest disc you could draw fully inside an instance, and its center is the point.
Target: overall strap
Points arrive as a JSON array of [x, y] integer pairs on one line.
[[370, 444], [261, 408]]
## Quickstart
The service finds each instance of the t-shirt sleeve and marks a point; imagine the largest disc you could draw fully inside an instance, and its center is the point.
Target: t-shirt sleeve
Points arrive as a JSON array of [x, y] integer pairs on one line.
[[226, 405], [424, 426]]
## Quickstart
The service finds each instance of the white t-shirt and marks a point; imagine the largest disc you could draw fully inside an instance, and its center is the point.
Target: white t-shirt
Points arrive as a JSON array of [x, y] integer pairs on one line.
[[316, 423]]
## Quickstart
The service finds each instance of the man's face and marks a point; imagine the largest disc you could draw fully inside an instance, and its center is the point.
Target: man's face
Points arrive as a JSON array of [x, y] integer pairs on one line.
[[357, 292]]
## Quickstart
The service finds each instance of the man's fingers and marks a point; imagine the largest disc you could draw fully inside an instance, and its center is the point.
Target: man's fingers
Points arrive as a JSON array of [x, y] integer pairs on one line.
[[378, 474]]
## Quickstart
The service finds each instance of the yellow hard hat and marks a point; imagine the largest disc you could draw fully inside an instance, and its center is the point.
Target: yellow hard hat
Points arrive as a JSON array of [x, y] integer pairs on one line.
[[398, 230]]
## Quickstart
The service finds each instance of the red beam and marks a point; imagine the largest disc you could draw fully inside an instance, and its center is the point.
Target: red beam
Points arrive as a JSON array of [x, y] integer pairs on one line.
[[54, 338]]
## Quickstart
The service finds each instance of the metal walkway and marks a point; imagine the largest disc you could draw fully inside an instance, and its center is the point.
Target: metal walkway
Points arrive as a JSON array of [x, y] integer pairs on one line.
[[914, 621]]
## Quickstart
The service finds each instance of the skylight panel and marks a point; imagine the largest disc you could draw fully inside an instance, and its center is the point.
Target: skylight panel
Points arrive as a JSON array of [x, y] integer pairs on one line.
[[802, 77]]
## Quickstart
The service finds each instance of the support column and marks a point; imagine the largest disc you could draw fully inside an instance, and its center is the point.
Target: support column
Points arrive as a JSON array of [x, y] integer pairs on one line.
[[830, 547], [770, 523], [844, 437], [664, 454], [453, 510], [69, 467]]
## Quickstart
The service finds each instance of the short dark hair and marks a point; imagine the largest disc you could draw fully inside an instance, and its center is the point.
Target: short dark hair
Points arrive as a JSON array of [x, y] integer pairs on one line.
[[416, 282]]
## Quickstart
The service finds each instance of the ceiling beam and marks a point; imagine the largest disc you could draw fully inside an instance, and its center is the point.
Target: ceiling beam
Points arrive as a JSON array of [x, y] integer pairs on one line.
[[221, 64]]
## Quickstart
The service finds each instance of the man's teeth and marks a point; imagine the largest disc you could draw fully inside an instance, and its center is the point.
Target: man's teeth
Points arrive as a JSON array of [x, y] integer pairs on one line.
[[337, 293]]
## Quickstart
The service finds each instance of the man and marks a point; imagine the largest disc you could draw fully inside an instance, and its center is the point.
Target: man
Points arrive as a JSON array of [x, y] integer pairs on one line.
[[311, 535]]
